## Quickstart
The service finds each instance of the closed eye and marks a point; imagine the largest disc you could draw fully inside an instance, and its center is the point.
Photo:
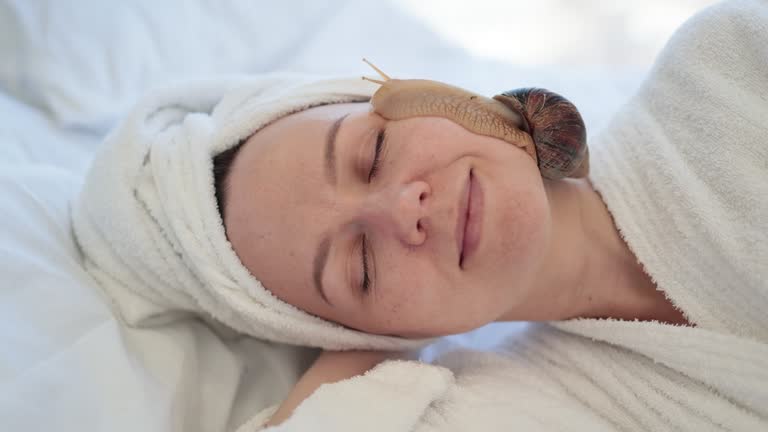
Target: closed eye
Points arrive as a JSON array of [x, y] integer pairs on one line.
[[366, 283], [380, 145]]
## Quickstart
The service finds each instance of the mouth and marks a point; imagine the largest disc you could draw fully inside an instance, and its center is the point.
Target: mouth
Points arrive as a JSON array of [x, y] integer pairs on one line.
[[469, 225]]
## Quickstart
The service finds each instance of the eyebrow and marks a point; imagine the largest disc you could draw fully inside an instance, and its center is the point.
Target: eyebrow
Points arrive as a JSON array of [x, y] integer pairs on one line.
[[321, 257], [330, 150]]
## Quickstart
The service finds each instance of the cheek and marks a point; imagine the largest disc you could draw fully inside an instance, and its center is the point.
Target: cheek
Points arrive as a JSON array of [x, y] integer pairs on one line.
[[409, 280], [519, 208], [525, 226], [434, 139], [411, 295], [422, 301]]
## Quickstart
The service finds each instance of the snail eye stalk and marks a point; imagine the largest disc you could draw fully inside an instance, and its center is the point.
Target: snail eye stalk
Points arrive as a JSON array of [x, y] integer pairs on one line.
[[379, 71]]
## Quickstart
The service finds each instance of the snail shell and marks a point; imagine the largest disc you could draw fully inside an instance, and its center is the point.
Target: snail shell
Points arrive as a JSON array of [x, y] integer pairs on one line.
[[542, 123], [557, 129]]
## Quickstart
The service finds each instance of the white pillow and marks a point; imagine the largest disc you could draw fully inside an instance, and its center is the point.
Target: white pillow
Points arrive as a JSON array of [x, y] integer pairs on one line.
[[85, 61]]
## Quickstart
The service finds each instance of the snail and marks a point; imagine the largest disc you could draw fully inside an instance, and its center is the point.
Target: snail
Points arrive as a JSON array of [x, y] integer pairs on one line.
[[544, 124]]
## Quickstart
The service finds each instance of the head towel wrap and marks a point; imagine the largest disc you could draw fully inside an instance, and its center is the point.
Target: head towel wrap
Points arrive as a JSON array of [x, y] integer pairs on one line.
[[147, 221]]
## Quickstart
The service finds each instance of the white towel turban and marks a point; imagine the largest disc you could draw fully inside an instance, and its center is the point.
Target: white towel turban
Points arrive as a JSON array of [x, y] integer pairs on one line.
[[147, 220]]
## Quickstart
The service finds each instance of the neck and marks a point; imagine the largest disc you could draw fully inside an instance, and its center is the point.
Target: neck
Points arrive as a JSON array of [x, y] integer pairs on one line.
[[590, 272]]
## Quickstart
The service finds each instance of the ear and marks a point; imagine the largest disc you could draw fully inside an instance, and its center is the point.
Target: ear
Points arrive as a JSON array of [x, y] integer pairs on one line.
[[557, 129]]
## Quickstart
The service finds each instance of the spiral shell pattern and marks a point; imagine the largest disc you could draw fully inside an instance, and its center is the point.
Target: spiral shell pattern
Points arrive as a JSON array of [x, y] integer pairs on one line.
[[557, 128]]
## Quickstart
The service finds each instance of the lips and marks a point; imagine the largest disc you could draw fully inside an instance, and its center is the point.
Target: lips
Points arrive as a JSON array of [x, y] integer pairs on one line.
[[462, 213], [469, 226]]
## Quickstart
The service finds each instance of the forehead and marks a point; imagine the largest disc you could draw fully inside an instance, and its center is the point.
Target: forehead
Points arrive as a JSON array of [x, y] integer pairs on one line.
[[296, 139], [277, 184]]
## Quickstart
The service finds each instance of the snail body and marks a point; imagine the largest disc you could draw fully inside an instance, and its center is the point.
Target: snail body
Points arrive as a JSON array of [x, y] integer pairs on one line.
[[544, 124]]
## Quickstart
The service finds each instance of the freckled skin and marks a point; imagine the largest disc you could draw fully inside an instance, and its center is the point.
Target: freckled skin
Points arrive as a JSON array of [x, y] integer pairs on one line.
[[437, 135], [281, 205]]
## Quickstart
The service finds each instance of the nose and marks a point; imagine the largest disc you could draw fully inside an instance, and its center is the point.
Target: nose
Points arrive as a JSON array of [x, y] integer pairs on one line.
[[401, 210]]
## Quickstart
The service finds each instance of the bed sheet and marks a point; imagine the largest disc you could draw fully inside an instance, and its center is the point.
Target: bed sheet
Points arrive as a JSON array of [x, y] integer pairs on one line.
[[67, 362], [69, 72]]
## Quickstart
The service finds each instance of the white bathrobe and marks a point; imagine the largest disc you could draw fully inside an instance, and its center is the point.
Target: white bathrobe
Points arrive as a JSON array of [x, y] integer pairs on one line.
[[683, 168]]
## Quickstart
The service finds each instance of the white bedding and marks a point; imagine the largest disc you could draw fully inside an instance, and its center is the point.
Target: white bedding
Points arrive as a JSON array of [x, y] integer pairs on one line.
[[68, 70]]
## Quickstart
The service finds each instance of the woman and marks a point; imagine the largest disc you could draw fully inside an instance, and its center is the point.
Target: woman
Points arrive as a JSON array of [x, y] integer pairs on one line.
[[389, 230], [349, 230]]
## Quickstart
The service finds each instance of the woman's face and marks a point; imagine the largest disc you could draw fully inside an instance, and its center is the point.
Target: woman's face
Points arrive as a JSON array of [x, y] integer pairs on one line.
[[307, 215]]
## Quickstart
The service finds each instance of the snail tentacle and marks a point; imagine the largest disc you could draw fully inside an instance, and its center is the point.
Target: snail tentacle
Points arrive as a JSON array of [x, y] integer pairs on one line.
[[373, 80], [379, 71]]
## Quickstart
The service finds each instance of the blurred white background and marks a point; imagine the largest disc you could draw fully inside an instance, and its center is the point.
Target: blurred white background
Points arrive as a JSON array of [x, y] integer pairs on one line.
[[78, 66], [557, 32]]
